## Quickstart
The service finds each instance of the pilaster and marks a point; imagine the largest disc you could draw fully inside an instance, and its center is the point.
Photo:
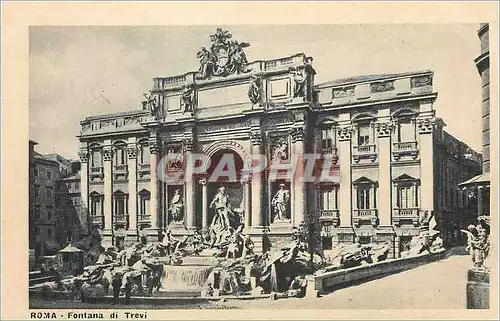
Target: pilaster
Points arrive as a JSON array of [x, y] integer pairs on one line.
[[384, 129], [155, 149], [189, 184], [132, 185], [84, 178], [108, 188], [426, 130], [299, 197]]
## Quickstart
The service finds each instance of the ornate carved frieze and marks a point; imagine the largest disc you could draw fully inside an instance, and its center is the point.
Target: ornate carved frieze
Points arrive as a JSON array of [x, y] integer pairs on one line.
[[426, 125], [421, 81], [273, 121], [132, 151], [384, 129], [154, 145], [107, 154], [174, 157], [379, 87], [188, 143], [84, 155], [223, 127], [344, 133], [343, 92], [224, 57]]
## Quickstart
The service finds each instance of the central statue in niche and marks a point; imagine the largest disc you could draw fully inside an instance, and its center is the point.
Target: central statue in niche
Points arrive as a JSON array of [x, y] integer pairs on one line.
[[225, 218]]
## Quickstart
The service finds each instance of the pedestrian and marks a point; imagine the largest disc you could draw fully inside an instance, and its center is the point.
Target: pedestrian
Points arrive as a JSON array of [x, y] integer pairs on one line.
[[117, 284], [128, 290], [150, 283]]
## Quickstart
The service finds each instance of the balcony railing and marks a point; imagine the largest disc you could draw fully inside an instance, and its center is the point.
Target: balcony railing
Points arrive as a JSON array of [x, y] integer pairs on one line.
[[365, 215], [120, 219], [120, 171], [97, 220], [329, 216], [143, 169], [97, 172], [121, 168], [144, 219], [409, 215], [404, 148], [364, 151]]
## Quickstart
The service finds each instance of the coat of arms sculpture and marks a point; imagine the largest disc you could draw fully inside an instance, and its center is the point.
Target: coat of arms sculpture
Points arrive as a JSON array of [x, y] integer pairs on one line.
[[225, 56]]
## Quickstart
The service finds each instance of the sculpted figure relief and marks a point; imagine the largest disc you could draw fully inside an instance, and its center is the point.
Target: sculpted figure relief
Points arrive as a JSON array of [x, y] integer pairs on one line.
[[300, 82], [176, 207], [279, 204], [254, 90], [187, 99], [279, 150], [151, 104]]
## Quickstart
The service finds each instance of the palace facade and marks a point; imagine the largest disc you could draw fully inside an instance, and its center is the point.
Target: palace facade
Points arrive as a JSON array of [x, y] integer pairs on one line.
[[380, 131]]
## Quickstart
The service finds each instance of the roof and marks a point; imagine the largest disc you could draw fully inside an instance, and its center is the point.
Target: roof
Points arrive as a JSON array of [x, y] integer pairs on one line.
[[483, 179], [123, 113], [369, 78]]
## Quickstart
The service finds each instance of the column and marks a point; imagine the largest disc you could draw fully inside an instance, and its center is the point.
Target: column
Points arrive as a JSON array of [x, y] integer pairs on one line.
[[299, 197], [345, 204], [384, 130], [204, 206], [256, 222], [84, 182], [108, 187], [132, 184], [479, 200], [248, 206], [189, 186], [154, 148], [426, 130]]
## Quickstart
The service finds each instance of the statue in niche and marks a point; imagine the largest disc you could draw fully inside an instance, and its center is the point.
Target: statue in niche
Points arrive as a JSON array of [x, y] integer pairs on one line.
[[176, 207], [187, 99], [279, 204], [151, 104], [300, 84], [280, 150], [174, 160], [254, 89]]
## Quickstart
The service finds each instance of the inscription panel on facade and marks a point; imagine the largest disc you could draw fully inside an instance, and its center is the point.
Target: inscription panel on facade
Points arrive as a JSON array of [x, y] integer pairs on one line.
[[173, 103], [279, 88], [231, 95]]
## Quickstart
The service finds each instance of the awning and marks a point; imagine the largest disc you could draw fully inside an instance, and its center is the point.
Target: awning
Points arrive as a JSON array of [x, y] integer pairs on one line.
[[483, 179], [70, 249]]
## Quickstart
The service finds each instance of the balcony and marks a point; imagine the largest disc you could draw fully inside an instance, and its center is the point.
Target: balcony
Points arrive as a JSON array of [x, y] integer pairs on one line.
[[120, 219], [96, 172], [144, 220], [120, 171], [364, 152], [365, 215], [329, 216], [143, 169], [404, 149], [98, 221], [410, 215]]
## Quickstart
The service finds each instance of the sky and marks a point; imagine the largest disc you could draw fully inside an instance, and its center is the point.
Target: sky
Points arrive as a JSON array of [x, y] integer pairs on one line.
[[77, 72]]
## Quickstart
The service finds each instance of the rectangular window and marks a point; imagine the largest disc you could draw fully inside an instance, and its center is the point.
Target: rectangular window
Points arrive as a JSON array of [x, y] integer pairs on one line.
[[37, 191], [37, 212], [327, 139], [96, 158], [49, 232], [406, 131], [120, 205], [49, 212], [144, 205], [328, 199], [145, 155], [363, 198], [363, 134], [49, 192], [49, 174], [36, 172], [405, 197], [77, 186], [95, 206]]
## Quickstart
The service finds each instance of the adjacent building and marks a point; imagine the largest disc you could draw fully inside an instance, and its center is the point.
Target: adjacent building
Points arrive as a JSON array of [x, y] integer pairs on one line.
[[379, 133]]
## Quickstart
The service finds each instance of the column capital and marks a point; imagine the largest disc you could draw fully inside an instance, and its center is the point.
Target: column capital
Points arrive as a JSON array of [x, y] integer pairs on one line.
[[132, 151], [298, 133], [344, 133], [188, 143], [154, 145], [256, 137], [84, 155], [384, 129], [107, 153], [426, 125]]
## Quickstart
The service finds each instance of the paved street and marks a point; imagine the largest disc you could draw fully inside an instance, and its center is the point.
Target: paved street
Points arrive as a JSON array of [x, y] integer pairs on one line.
[[437, 285]]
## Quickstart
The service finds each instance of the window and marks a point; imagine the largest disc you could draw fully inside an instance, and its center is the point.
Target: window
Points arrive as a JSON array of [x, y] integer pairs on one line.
[[36, 172], [144, 197], [363, 134], [363, 197], [49, 212], [37, 191], [95, 159], [328, 198], [144, 154], [49, 174], [406, 131], [121, 156], [120, 204], [96, 204], [328, 139], [49, 232], [405, 197], [49, 192], [37, 212], [77, 186]]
